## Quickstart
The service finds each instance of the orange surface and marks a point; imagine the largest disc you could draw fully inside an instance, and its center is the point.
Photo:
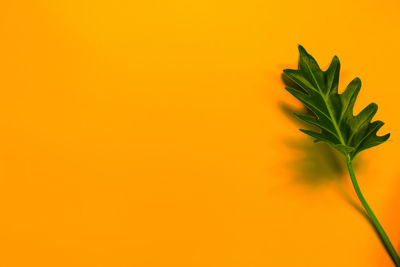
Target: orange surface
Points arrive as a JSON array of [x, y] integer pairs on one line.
[[149, 133]]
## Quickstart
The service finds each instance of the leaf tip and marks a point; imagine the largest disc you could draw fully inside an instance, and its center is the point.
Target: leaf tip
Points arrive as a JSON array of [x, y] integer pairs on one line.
[[374, 107], [357, 80], [385, 137], [300, 47], [302, 50], [335, 59]]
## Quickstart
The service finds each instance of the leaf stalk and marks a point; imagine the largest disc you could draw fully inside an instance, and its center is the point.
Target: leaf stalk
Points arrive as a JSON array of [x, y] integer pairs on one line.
[[389, 246]]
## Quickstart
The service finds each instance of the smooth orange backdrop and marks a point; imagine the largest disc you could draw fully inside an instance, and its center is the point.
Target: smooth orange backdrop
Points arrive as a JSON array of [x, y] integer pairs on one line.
[[149, 133]]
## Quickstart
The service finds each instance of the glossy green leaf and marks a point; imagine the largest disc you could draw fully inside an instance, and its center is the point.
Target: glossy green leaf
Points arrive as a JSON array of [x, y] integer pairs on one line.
[[333, 112]]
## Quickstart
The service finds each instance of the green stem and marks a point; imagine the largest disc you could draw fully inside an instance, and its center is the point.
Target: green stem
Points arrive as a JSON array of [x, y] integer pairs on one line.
[[378, 226]]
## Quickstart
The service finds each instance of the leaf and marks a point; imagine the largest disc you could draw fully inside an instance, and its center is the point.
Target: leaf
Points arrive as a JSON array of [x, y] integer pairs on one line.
[[333, 112]]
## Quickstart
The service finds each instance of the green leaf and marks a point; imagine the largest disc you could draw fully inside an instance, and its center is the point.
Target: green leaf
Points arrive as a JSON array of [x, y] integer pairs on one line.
[[333, 112]]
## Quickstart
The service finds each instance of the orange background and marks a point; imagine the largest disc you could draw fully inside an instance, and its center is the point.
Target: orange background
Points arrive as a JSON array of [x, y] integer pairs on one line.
[[150, 133]]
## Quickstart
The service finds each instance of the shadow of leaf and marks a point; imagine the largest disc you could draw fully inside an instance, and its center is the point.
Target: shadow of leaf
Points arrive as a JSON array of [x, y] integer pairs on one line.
[[316, 164]]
